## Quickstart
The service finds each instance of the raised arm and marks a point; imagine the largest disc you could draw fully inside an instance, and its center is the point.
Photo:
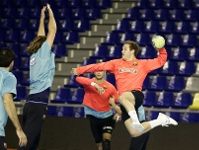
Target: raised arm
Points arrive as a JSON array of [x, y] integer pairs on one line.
[[52, 27], [41, 31], [11, 111]]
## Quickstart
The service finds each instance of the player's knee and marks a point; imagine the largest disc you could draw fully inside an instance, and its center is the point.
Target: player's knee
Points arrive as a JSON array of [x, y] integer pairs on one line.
[[106, 144]]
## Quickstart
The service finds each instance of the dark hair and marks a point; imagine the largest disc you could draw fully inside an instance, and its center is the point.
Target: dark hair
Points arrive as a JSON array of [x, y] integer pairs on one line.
[[133, 46], [7, 55], [36, 44]]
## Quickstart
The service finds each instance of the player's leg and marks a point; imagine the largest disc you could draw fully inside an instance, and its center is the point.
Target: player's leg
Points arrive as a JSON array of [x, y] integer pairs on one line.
[[96, 131], [3, 145]]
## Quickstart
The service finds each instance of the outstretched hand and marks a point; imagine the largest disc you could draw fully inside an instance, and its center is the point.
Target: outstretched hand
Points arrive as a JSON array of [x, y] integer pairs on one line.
[[99, 89], [43, 12], [74, 71], [49, 10]]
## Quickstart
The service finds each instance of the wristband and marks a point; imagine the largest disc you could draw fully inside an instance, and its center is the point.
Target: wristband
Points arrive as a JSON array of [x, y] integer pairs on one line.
[[93, 83]]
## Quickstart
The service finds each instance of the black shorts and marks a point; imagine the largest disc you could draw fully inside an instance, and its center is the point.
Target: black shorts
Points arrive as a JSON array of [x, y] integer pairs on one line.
[[3, 145], [139, 97], [100, 126]]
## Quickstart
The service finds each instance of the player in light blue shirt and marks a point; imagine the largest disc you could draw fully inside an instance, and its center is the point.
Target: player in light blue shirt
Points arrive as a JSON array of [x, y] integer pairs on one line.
[[42, 68], [8, 84]]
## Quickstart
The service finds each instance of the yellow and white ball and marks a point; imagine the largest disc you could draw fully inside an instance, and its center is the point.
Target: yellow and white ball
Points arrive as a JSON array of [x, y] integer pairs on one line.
[[158, 42]]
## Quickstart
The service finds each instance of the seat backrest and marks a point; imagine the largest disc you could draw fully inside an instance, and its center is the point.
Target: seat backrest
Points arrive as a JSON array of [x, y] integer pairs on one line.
[[192, 84], [176, 83], [183, 100]]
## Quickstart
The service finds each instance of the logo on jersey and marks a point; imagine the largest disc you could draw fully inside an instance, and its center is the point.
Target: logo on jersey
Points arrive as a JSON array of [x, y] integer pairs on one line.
[[32, 61], [130, 70]]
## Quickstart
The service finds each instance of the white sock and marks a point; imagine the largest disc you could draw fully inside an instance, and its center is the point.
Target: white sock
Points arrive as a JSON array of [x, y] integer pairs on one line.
[[134, 116], [155, 123]]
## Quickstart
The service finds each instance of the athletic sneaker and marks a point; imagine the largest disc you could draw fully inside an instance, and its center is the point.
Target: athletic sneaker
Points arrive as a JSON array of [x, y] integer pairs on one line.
[[137, 126], [166, 120]]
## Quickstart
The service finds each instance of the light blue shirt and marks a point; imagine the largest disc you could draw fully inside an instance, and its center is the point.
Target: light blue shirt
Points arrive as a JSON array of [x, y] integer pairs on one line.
[[8, 83], [42, 69], [141, 114], [97, 114]]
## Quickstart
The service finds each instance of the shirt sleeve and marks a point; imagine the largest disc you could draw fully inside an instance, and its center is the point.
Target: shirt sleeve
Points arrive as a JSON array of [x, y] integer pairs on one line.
[[152, 64], [9, 86], [45, 51], [83, 81], [103, 66]]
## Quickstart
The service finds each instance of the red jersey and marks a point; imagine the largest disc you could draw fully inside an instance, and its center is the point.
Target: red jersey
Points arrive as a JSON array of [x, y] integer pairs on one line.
[[129, 75], [93, 99]]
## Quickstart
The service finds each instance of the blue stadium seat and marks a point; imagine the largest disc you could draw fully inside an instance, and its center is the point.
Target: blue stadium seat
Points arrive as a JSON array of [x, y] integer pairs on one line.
[[23, 24], [194, 54], [2, 35], [34, 3], [147, 14], [60, 50], [186, 68], [183, 100], [110, 78], [11, 12], [7, 3], [66, 25], [59, 37], [82, 26], [101, 51], [21, 3], [147, 53], [112, 38], [90, 75], [142, 4], [91, 4], [143, 39], [72, 83], [190, 117], [156, 4], [177, 15], [19, 75], [114, 53], [126, 36], [65, 112], [146, 83], [34, 25], [104, 4], [186, 4], [122, 26], [180, 54], [17, 63], [194, 29], [24, 13], [191, 15], [196, 6], [154, 72], [23, 52], [62, 3], [189, 40], [173, 40], [175, 115], [158, 83], [79, 113], [77, 96], [2, 45], [169, 53], [176, 84], [162, 15], [94, 13], [62, 95], [71, 38], [27, 36], [170, 68], [149, 98], [167, 27], [8, 23], [21, 93], [25, 64], [76, 3], [80, 13], [153, 115], [26, 81], [13, 36], [182, 27], [137, 26], [165, 100], [52, 111], [51, 2], [88, 61], [65, 13], [16, 48], [152, 27], [36, 13], [2, 11], [132, 14]]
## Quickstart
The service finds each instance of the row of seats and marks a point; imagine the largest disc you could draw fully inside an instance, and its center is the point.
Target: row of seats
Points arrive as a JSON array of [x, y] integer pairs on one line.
[[143, 39], [154, 26], [147, 52], [168, 4], [58, 3], [162, 14], [63, 13], [78, 112], [31, 26]]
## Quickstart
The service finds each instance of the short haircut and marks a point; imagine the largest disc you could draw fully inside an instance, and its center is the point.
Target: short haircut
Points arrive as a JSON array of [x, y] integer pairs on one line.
[[133, 46], [7, 55]]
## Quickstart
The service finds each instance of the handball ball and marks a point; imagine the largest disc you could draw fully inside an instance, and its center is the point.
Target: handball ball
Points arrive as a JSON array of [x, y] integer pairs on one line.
[[158, 42]]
